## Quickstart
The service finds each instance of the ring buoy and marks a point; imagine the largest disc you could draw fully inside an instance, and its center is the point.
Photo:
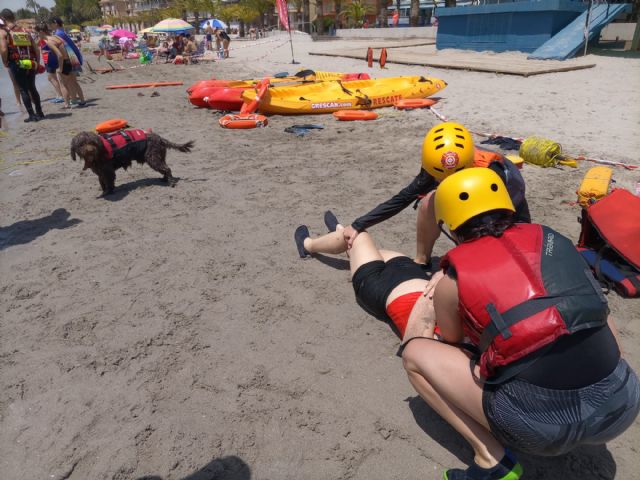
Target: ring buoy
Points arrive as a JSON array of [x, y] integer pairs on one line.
[[111, 125], [411, 103], [349, 115], [243, 121]]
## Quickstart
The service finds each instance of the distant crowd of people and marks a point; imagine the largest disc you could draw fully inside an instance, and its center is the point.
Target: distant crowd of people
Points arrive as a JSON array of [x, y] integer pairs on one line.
[[51, 50]]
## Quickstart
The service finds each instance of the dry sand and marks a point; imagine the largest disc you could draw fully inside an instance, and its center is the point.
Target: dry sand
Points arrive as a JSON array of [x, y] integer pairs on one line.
[[174, 333]]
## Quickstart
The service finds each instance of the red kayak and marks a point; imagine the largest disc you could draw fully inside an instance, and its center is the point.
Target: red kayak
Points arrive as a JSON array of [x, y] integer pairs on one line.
[[197, 96], [227, 99]]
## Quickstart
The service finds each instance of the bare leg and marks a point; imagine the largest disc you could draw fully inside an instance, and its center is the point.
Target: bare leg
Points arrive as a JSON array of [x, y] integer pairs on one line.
[[440, 374], [333, 243], [56, 84], [427, 231]]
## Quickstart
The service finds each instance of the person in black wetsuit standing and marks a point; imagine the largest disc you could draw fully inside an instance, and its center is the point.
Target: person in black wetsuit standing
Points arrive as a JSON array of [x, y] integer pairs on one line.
[[20, 55], [447, 148]]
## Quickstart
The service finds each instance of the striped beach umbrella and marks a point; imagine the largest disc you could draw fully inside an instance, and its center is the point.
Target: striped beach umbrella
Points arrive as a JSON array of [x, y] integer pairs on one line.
[[172, 25], [104, 28]]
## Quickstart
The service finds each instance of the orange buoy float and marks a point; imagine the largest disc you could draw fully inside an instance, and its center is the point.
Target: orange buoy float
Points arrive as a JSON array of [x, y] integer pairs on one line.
[[383, 58], [350, 115], [244, 121], [252, 106], [411, 103], [112, 125]]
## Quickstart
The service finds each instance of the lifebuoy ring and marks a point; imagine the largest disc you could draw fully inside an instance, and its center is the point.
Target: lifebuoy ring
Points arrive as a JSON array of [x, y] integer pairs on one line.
[[411, 103], [349, 115], [243, 121], [112, 125]]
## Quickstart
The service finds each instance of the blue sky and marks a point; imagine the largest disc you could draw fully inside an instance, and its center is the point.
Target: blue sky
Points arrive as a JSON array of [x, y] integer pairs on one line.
[[16, 4]]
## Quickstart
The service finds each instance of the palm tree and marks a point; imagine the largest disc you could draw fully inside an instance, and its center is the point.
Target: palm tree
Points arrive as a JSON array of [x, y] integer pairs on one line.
[[319, 17], [414, 14], [32, 5], [355, 12]]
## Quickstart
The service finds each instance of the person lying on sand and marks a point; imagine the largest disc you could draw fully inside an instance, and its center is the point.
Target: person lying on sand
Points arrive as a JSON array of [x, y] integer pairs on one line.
[[546, 375], [387, 284], [447, 148]]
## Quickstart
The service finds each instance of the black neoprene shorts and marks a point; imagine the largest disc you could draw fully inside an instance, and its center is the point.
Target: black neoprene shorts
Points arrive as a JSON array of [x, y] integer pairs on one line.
[[542, 421], [374, 281]]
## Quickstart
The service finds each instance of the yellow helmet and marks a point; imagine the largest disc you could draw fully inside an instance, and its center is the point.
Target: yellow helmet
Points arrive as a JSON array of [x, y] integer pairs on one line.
[[447, 148], [471, 192]]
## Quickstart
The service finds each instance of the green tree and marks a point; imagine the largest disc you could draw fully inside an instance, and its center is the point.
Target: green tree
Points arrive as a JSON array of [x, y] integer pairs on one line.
[[23, 13], [77, 11], [32, 5], [260, 6], [355, 13]]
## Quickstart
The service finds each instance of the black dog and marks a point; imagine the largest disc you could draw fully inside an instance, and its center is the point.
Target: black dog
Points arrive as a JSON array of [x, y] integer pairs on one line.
[[105, 153]]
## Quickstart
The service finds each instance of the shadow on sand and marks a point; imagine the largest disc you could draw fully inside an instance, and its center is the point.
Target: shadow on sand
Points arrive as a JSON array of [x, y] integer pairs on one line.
[[25, 231], [124, 189], [225, 468]]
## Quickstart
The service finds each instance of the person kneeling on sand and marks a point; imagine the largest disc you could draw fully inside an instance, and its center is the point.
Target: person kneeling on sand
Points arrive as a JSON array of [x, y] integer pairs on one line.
[[447, 148], [387, 284], [546, 374]]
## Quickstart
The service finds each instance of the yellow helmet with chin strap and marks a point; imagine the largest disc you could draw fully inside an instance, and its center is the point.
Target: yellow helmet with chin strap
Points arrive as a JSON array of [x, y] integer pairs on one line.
[[472, 192], [447, 148]]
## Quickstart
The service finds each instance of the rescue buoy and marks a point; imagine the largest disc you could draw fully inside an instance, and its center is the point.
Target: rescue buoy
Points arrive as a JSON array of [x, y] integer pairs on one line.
[[411, 103], [243, 121], [383, 58], [112, 125], [252, 106], [349, 115]]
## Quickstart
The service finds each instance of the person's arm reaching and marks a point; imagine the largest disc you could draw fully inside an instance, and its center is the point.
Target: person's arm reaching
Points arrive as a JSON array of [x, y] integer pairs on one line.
[[422, 184]]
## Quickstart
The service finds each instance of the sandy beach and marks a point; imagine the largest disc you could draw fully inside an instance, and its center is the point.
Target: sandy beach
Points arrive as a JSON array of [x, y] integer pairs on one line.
[[174, 333]]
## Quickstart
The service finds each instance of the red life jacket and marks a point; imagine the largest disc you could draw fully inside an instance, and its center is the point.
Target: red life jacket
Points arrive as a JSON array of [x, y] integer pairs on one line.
[[123, 141], [521, 291]]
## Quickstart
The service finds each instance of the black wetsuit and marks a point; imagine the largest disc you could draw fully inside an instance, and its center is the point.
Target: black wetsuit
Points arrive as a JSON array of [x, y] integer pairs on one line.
[[424, 183], [25, 79]]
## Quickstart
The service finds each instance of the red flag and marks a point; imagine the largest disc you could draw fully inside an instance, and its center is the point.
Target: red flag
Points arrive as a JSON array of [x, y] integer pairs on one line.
[[283, 13]]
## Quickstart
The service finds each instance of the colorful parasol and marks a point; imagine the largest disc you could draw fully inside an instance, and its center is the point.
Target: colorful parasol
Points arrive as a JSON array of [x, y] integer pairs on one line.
[[122, 33], [172, 25]]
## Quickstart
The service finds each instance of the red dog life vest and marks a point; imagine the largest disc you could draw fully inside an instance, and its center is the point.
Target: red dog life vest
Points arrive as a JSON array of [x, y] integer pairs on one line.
[[521, 291], [130, 144]]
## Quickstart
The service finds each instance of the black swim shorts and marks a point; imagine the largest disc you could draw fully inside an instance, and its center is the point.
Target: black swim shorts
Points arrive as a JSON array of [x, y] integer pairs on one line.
[[374, 281], [543, 421], [66, 67]]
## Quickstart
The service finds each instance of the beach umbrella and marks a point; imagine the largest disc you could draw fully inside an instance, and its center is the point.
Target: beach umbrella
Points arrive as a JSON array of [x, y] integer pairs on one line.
[[215, 23], [122, 33], [172, 25], [74, 30], [146, 30], [104, 28]]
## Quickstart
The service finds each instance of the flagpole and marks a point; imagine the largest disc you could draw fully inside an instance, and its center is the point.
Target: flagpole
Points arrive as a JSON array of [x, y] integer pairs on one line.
[[293, 60]]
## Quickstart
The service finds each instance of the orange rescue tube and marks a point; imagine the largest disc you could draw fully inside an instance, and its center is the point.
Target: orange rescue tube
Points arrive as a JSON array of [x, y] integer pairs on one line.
[[111, 125], [144, 85], [411, 103], [349, 115], [243, 121], [252, 106]]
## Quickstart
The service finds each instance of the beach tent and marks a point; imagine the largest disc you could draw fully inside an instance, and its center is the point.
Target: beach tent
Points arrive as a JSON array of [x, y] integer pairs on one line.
[[172, 25]]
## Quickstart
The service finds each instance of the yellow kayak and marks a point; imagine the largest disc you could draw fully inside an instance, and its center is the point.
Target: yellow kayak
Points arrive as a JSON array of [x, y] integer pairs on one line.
[[333, 95]]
